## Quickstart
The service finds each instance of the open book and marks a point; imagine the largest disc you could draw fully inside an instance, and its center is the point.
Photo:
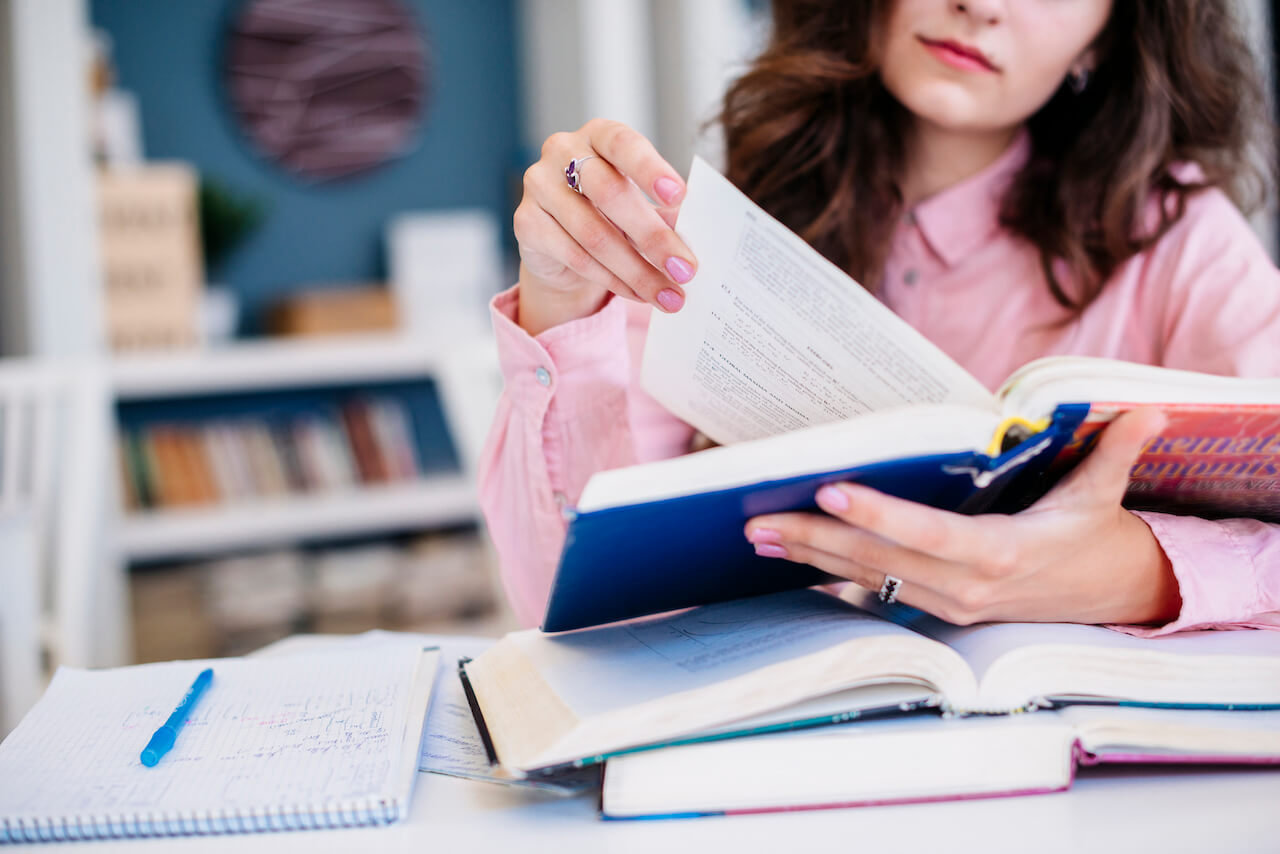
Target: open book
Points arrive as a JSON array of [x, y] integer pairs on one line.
[[320, 740], [914, 759], [806, 379], [804, 658]]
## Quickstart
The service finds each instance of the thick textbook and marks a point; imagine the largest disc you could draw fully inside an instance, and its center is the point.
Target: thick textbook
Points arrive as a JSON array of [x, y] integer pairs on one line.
[[831, 386], [305, 741], [914, 760], [804, 658]]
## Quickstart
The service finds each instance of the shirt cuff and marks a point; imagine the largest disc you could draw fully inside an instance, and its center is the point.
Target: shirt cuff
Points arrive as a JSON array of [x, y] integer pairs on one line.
[[1216, 574], [580, 362]]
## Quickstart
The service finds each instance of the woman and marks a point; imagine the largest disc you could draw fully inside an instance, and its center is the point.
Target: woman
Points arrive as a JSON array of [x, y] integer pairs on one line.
[[1015, 179]]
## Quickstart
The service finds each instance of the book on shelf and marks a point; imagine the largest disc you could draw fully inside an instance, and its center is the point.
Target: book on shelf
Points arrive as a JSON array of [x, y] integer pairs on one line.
[[832, 386], [322, 740], [915, 760], [246, 458], [804, 658], [357, 420]]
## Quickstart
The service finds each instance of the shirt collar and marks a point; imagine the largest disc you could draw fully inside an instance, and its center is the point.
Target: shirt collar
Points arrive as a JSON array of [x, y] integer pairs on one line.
[[957, 220]]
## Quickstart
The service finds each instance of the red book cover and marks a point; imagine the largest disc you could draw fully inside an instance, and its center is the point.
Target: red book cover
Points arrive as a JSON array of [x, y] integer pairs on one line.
[[1211, 460]]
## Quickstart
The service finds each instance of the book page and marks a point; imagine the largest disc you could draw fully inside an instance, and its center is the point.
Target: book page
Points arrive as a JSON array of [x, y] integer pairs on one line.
[[1016, 662], [298, 732], [1125, 734], [773, 337], [614, 667]]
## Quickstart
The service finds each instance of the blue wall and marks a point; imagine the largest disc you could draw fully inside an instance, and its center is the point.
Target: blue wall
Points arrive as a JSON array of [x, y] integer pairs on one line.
[[170, 54]]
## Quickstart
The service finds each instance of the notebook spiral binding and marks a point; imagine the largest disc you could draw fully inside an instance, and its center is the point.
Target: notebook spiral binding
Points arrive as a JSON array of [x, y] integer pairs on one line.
[[373, 811]]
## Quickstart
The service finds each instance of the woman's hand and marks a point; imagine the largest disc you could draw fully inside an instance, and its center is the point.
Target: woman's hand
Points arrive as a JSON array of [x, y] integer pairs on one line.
[[1075, 556], [577, 248]]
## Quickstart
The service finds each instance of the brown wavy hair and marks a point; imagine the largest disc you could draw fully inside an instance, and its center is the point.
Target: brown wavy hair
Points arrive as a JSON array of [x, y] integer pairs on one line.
[[815, 138]]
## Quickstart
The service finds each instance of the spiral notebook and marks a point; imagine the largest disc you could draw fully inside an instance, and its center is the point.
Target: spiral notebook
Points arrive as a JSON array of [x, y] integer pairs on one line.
[[304, 741]]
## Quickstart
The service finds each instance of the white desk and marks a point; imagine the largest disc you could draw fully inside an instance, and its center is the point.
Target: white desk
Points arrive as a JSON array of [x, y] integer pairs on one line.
[[1108, 810], [1174, 811]]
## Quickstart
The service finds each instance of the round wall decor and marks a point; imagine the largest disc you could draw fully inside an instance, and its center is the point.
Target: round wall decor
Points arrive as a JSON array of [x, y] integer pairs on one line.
[[327, 88]]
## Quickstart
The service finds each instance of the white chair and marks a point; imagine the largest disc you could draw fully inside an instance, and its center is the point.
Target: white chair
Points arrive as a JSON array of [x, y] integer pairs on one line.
[[62, 582]]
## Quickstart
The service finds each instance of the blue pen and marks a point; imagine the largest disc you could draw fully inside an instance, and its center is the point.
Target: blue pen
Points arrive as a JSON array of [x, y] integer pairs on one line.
[[163, 740]]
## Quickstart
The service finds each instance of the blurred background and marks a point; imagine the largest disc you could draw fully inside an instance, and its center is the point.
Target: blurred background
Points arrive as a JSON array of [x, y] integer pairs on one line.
[[245, 252], [246, 248]]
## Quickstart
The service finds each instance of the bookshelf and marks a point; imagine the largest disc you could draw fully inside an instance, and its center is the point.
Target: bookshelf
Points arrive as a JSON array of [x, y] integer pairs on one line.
[[464, 375]]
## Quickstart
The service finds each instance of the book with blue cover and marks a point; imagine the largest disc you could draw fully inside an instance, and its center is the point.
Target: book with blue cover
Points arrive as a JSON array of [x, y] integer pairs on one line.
[[804, 378]]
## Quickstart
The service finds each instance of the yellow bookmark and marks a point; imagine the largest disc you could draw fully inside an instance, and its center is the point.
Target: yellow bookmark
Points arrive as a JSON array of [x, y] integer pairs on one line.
[[1032, 428]]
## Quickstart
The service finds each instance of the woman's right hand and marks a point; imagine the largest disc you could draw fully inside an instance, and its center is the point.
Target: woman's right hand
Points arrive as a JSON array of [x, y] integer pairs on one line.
[[577, 248]]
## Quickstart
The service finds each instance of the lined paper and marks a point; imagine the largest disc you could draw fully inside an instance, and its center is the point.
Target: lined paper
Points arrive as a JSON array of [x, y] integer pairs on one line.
[[302, 734]]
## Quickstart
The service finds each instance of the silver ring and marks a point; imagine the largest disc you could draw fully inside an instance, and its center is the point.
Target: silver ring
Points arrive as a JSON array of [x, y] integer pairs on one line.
[[573, 173], [889, 589]]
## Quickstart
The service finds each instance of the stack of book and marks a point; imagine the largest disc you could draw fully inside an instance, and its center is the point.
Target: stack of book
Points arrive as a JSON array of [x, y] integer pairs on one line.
[[361, 442], [848, 700]]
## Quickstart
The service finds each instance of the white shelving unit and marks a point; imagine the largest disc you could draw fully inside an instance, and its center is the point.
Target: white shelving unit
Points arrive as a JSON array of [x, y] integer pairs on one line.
[[435, 501], [204, 532], [273, 364]]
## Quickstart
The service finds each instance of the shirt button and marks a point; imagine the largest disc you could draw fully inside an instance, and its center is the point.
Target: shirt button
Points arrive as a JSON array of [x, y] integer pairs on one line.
[[910, 277], [544, 378]]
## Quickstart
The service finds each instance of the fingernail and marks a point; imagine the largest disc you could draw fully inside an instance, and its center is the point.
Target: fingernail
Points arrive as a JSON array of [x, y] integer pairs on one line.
[[668, 189], [832, 498], [770, 550], [681, 271], [764, 535], [670, 300]]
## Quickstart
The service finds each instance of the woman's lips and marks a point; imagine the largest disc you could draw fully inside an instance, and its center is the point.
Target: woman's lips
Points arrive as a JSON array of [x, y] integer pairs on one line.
[[959, 55]]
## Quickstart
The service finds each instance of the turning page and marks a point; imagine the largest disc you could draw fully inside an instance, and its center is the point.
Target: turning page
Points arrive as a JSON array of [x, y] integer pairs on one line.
[[773, 337]]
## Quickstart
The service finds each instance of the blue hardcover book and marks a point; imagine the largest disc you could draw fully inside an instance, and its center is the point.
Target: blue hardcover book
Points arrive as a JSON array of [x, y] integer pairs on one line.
[[669, 535]]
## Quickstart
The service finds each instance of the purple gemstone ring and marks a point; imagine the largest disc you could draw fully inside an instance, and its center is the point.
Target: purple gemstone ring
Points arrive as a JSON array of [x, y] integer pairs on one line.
[[573, 172], [889, 589]]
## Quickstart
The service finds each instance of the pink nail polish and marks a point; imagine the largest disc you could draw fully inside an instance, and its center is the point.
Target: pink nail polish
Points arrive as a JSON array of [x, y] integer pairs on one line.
[[831, 498], [770, 550], [670, 300], [764, 535], [679, 269], [668, 189]]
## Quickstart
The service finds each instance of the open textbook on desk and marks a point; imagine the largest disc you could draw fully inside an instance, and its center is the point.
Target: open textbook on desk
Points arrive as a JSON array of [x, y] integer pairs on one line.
[[803, 658], [305, 741], [807, 379]]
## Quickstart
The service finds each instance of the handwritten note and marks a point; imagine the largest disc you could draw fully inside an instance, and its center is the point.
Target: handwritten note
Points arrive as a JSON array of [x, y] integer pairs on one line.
[[301, 732]]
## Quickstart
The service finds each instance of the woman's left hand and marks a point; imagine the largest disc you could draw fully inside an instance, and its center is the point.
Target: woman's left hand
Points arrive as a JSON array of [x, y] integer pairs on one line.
[[1074, 556]]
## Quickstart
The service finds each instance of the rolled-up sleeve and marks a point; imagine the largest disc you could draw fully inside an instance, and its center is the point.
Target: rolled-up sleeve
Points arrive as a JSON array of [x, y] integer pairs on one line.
[[1228, 572]]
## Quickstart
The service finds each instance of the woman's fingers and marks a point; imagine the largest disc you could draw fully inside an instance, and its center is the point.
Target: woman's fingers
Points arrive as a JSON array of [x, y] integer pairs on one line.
[[612, 219], [603, 241], [634, 157], [962, 610], [549, 252], [804, 534], [622, 203], [1104, 474]]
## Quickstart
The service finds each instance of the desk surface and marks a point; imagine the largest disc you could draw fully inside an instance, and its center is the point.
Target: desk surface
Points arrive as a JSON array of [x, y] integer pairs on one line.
[[1170, 811], [1125, 809]]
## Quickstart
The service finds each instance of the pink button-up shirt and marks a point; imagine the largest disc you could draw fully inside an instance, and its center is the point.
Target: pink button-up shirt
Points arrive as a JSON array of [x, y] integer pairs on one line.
[[1205, 298]]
